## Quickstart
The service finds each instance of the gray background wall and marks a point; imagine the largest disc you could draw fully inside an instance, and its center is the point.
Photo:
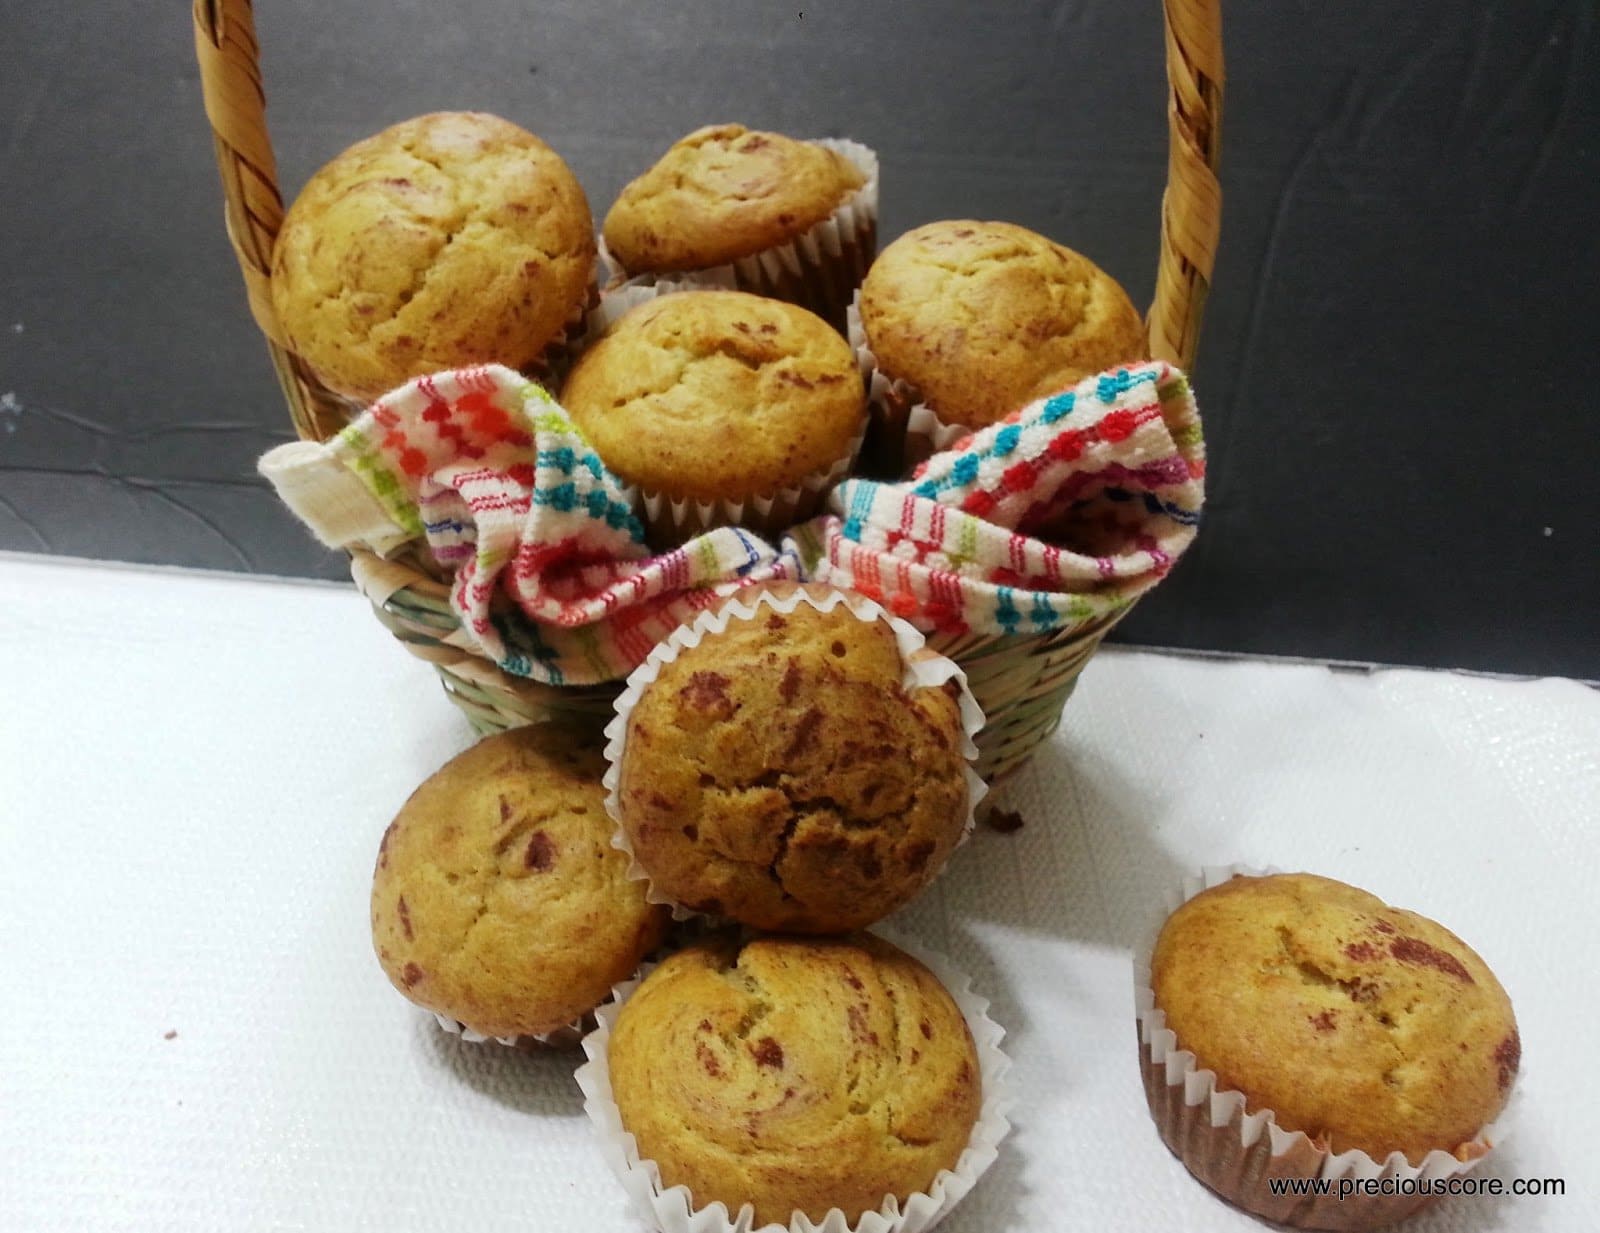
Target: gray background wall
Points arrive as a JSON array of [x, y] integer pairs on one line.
[[1396, 368]]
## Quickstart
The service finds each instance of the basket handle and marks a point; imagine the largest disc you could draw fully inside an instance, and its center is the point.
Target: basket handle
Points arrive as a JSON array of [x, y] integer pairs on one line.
[[230, 81], [1191, 207]]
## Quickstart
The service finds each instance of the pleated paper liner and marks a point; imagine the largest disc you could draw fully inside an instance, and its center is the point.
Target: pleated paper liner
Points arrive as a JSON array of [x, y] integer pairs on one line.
[[671, 1209], [564, 1037], [1239, 1152], [924, 668], [902, 430]]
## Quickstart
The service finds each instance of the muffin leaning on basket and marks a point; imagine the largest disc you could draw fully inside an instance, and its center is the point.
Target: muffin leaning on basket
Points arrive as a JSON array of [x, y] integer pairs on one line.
[[794, 760]]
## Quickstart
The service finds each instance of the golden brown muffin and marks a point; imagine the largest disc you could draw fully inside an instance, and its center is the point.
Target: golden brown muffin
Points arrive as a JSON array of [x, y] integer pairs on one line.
[[717, 396], [1362, 1025], [722, 193], [498, 899], [452, 239], [982, 318], [781, 774], [795, 1075]]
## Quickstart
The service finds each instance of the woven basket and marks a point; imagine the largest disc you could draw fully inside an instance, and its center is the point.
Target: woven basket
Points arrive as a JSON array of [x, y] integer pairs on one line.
[[1021, 681]]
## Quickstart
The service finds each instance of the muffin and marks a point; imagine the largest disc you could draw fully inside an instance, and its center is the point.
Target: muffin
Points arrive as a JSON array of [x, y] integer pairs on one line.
[[722, 408], [975, 320], [448, 240], [1363, 1027], [498, 900], [792, 219], [795, 1075], [790, 770]]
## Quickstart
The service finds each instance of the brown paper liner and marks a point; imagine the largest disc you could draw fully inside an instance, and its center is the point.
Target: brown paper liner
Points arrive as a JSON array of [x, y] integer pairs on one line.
[[1239, 1152]]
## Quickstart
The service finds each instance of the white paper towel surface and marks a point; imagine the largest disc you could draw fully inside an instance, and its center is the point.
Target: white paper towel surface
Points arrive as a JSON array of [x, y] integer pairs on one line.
[[195, 771]]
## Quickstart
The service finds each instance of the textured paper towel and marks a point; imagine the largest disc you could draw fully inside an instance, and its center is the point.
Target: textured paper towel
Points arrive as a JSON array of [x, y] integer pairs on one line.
[[196, 771]]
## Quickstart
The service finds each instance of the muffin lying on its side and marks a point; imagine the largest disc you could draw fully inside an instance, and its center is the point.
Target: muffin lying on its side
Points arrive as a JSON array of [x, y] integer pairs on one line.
[[498, 900]]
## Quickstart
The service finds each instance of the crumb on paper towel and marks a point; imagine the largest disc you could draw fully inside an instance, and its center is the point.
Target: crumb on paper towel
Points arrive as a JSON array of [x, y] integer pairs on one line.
[[1006, 821], [170, 1034]]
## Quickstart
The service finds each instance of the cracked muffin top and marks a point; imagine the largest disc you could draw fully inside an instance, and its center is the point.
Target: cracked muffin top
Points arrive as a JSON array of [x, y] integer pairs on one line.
[[498, 899], [795, 1074], [452, 239], [1362, 1025], [717, 395], [724, 192], [983, 318], [782, 773]]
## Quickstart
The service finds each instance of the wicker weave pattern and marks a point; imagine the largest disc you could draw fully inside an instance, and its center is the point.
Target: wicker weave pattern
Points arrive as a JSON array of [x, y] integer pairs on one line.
[[1022, 682]]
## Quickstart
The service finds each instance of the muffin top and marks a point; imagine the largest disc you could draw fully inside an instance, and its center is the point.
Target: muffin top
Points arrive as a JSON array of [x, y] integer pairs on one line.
[[722, 193], [782, 774], [1362, 1025], [982, 318], [795, 1074], [498, 899], [717, 395], [451, 239]]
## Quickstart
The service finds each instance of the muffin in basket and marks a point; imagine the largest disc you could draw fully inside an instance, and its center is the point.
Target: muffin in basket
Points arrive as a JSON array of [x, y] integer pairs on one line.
[[795, 1075], [791, 765], [1356, 1029], [452, 239], [972, 320], [723, 408], [792, 219], [498, 901]]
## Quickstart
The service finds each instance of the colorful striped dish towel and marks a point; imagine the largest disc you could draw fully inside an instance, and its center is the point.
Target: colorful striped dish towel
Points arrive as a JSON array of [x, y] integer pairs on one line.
[[486, 469], [1058, 517]]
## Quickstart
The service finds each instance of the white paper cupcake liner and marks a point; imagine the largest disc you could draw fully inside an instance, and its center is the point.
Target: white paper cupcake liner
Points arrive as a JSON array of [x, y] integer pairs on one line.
[[902, 429], [821, 267], [675, 520], [1237, 1152], [615, 302], [924, 668], [561, 1038], [672, 520], [671, 1209]]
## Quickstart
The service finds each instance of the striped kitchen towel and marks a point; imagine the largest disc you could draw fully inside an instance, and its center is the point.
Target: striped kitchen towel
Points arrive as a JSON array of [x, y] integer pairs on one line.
[[1058, 517]]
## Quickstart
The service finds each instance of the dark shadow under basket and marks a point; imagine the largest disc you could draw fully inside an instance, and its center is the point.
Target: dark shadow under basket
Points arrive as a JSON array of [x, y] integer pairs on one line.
[[1021, 681]]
